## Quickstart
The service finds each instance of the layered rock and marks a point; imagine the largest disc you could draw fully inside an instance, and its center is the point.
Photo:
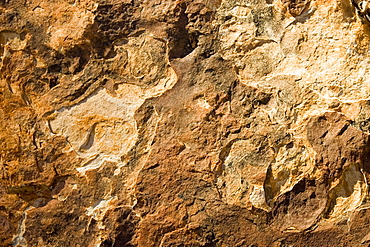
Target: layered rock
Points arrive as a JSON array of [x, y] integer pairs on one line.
[[184, 123]]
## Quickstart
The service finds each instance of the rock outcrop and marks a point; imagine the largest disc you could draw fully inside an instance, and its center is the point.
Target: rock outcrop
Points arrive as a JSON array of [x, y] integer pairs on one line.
[[184, 123]]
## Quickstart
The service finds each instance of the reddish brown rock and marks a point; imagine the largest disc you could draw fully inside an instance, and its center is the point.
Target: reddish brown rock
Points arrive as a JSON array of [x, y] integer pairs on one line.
[[183, 123]]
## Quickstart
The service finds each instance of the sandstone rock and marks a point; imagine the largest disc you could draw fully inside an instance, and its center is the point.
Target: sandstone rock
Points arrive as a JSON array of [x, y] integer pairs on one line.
[[184, 123]]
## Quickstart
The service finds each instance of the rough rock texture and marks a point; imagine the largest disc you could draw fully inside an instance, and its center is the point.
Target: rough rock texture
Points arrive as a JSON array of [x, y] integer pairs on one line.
[[184, 123]]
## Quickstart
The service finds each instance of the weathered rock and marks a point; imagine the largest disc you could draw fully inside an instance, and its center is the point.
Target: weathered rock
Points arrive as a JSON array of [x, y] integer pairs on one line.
[[184, 123]]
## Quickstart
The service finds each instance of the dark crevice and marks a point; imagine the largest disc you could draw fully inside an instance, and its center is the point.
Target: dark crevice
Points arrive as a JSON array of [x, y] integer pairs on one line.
[[181, 42], [344, 128], [325, 133]]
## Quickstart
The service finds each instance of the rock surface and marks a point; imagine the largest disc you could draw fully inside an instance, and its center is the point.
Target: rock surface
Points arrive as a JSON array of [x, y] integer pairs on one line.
[[184, 123]]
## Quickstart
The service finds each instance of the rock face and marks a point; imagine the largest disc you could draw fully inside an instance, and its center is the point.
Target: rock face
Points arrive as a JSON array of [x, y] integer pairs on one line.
[[184, 123]]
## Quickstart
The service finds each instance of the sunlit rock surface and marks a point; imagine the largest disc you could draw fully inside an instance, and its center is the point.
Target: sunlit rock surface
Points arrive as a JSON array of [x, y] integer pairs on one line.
[[184, 123]]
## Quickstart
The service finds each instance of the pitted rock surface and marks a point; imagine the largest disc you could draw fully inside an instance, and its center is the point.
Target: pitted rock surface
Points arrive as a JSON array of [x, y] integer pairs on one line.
[[184, 123]]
